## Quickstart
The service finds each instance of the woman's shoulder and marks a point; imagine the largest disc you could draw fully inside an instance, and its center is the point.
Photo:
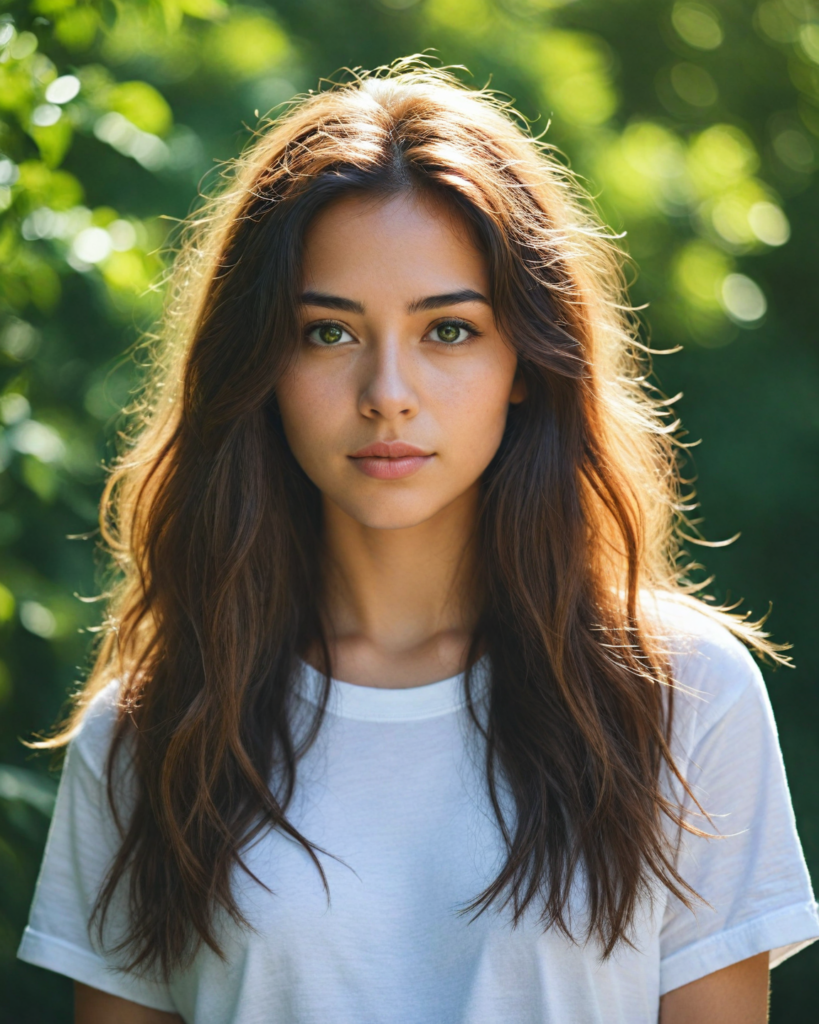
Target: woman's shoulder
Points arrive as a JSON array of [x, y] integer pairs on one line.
[[712, 668], [94, 731]]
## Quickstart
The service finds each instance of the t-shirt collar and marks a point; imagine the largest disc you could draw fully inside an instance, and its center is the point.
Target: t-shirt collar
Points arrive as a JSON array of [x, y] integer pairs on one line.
[[383, 704]]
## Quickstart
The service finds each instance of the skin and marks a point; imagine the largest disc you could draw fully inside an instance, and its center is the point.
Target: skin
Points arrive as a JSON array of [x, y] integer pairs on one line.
[[399, 553], [735, 995], [91, 1006]]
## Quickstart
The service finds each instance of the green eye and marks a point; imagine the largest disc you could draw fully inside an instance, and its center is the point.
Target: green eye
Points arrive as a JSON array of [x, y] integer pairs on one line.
[[449, 333], [328, 334]]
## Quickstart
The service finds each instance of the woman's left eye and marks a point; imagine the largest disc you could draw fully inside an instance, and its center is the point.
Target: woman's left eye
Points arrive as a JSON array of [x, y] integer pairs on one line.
[[451, 333]]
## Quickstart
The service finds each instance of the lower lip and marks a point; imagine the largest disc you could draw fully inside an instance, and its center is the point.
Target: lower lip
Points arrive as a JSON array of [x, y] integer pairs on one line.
[[391, 469]]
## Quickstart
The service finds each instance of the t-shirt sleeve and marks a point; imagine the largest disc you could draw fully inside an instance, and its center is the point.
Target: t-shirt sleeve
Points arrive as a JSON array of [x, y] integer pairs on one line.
[[752, 878], [82, 840]]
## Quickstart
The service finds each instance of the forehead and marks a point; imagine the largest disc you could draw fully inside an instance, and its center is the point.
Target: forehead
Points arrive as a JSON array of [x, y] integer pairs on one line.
[[409, 244]]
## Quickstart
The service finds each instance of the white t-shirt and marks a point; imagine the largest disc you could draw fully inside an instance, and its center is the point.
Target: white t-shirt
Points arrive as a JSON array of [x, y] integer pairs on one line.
[[394, 789]]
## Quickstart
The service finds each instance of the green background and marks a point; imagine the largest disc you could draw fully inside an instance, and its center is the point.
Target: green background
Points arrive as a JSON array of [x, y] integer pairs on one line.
[[696, 127]]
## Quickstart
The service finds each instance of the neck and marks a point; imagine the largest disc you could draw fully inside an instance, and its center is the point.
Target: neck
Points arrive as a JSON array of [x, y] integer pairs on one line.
[[398, 603]]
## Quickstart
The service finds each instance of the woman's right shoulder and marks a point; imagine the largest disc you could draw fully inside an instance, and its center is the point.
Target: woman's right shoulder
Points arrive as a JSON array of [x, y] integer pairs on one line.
[[94, 730]]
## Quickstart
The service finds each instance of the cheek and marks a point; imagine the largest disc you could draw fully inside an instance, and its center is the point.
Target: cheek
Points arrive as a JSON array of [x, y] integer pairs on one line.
[[312, 405], [472, 409]]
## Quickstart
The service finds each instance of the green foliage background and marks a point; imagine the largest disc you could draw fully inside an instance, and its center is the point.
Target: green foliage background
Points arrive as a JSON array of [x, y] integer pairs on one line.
[[695, 124]]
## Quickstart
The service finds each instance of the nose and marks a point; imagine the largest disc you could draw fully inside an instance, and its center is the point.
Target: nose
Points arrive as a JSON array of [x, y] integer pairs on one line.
[[387, 392]]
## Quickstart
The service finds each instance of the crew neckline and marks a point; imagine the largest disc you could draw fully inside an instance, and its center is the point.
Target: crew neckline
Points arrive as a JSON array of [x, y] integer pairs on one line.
[[382, 704]]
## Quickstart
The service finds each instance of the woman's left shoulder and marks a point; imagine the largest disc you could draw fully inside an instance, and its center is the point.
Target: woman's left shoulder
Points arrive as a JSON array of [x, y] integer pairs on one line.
[[746, 865], [712, 668]]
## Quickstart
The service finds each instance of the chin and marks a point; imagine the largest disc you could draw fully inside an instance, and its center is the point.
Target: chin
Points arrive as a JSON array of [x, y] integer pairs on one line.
[[391, 514]]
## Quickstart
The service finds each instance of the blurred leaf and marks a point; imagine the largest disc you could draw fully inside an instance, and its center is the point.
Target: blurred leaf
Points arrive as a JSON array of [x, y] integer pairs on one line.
[[76, 27], [208, 10], [644, 170], [472, 18], [41, 478], [6, 605], [33, 789], [6, 689], [699, 272], [575, 69], [41, 186], [248, 45], [52, 7], [16, 89], [719, 157], [127, 272], [143, 105], [53, 141]]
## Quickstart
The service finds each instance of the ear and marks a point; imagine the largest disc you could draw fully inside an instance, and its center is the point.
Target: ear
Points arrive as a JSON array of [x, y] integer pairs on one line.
[[519, 390]]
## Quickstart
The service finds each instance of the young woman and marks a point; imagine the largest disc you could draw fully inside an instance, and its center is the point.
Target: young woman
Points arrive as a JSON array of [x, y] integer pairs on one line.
[[403, 713]]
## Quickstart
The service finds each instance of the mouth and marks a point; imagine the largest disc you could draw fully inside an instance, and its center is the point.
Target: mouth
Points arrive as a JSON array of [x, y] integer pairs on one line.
[[390, 460]]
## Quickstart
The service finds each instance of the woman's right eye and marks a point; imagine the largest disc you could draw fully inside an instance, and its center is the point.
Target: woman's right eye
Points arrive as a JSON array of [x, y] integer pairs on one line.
[[327, 335]]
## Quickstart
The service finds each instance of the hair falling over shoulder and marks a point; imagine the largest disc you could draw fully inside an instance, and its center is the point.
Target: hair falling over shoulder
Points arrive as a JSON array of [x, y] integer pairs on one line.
[[214, 530]]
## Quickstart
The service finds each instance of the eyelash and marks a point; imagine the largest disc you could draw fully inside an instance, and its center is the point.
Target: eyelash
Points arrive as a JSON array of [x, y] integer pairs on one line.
[[323, 323], [472, 331]]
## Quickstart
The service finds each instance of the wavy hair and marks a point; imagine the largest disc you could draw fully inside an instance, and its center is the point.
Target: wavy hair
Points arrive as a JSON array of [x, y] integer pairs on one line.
[[214, 530]]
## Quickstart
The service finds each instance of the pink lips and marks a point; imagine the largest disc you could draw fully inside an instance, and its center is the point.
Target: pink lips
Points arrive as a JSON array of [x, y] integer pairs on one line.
[[390, 460]]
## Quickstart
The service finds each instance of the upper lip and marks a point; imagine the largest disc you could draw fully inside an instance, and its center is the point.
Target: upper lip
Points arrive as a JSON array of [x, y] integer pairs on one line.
[[388, 450]]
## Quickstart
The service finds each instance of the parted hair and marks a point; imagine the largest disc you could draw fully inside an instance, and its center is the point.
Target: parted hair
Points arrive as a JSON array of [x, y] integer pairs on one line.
[[214, 531]]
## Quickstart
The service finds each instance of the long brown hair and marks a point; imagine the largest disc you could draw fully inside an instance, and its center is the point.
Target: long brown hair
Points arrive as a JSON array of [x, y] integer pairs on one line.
[[214, 529]]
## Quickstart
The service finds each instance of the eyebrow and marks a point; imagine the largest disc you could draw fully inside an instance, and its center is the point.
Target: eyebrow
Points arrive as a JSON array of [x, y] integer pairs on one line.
[[418, 306], [447, 299], [331, 302]]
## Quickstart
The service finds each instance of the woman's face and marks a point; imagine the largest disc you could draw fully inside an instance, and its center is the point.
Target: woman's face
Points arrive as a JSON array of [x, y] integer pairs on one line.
[[398, 396]]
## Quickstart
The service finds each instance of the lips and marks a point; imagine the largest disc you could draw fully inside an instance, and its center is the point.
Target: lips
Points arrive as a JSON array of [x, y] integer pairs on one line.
[[389, 450], [390, 460]]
